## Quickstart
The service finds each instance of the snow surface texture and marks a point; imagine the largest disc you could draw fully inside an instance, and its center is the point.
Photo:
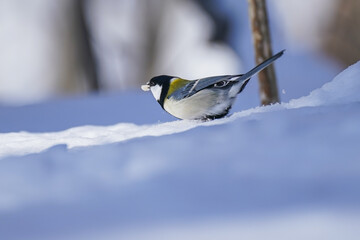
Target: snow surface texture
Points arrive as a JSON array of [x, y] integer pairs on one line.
[[287, 171], [343, 89]]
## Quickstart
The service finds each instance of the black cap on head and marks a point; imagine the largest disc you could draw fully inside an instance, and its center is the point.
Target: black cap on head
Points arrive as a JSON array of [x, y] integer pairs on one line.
[[160, 80]]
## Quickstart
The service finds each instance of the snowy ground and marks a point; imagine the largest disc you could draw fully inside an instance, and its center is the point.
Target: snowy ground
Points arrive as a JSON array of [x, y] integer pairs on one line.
[[287, 171]]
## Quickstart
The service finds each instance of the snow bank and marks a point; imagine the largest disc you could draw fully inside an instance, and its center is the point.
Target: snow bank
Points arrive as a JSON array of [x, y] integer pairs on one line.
[[24, 142], [308, 225], [278, 169], [291, 166], [343, 89]]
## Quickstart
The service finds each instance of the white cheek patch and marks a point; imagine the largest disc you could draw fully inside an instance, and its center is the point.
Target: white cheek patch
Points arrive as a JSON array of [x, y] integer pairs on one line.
[[156, 91]]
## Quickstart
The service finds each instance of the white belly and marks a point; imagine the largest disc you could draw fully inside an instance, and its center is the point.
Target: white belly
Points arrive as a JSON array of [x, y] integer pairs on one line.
[[202, 104]]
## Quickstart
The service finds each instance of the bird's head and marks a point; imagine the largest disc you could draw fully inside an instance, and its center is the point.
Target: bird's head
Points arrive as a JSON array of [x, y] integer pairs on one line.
[[158, 85]]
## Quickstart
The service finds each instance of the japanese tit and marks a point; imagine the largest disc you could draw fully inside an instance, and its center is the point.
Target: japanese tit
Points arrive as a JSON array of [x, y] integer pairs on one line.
[[205, 98]]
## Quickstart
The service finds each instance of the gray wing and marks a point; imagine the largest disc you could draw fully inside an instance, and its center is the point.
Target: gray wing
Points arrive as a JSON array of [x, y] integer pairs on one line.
[[197, 85]]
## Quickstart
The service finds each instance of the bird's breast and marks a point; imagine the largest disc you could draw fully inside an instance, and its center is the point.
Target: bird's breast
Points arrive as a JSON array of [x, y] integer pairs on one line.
[[202, 104]]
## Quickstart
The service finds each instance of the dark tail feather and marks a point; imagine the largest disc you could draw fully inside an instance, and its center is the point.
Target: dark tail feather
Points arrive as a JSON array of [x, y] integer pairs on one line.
[[260, 67]]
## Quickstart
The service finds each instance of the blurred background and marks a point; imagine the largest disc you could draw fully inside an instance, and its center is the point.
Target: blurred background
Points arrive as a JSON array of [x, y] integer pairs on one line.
[[271, 174], [51, 49]]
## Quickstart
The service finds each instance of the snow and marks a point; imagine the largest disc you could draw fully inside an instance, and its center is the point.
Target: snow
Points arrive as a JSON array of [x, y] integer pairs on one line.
[[343, 89], [289, 170], [321, 225], [25, 143]]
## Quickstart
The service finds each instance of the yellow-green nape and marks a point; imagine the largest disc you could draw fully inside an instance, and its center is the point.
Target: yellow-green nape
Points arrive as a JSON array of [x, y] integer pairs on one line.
[[176, 83]]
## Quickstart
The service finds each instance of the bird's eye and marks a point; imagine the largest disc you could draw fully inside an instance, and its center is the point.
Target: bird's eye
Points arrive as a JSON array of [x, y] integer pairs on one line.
[[221, 84], [151, 84]]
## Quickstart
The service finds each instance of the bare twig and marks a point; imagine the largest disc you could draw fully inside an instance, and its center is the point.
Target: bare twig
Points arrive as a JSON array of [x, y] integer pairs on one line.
[[262, 45]]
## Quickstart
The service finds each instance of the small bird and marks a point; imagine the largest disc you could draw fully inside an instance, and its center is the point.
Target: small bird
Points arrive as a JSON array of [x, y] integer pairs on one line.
[[202, 99]]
